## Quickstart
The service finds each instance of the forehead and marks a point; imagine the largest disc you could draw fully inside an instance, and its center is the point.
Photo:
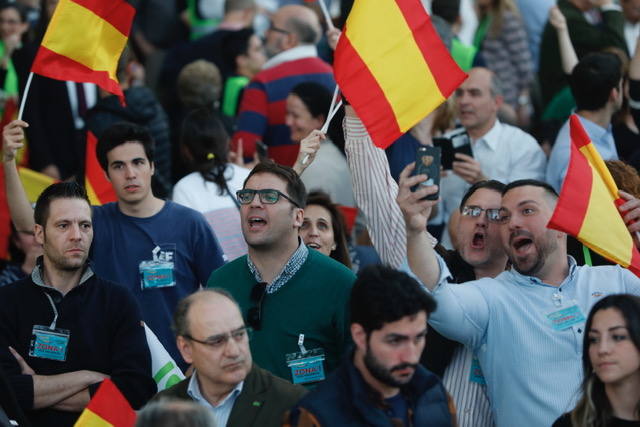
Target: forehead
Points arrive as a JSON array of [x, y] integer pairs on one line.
[[126, 152], [262, 181], [294, 102], [478, 79], [607, 318], [317, 212], [520, 194], [213, 314], [408, 325], [485, 198], [69, 209]]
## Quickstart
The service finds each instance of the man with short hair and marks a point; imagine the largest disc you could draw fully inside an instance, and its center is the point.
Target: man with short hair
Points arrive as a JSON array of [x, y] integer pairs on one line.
[[293, 297], [161, 251], [212, 336], [526, 325], [290, 44], [381, 382], [64, 329], [596, 84]]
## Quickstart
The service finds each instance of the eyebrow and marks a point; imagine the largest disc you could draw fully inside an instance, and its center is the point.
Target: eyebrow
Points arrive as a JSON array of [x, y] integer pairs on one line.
[[524, 202], [224, 333], [613, 328]]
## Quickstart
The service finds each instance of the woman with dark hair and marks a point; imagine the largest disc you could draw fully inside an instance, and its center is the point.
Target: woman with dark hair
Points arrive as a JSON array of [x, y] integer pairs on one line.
[[323, 227], [15, 57], [611, 361], [212, 185]]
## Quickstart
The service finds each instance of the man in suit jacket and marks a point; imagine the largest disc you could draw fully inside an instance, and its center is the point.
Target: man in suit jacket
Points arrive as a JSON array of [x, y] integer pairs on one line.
[[211, 335]]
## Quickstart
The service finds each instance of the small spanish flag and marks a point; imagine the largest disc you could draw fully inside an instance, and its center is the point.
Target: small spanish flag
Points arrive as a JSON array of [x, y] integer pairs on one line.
[[84, 41], [587, 207], [392, 66], [107, 408], [99, 189]]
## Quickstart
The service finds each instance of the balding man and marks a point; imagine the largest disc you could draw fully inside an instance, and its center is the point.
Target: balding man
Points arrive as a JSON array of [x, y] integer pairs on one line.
[[212, 336], [290, 44], [500, 151]]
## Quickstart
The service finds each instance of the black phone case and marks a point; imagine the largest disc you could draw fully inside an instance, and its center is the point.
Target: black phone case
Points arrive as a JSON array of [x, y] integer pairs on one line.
[[428, 163]]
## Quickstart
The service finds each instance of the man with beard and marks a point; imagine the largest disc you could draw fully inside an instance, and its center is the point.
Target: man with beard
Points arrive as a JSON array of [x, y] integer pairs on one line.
[[63, 329], [526, 325], [381, 382]]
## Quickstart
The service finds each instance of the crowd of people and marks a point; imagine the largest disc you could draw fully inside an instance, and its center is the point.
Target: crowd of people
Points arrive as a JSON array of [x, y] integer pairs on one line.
[[293, 272]]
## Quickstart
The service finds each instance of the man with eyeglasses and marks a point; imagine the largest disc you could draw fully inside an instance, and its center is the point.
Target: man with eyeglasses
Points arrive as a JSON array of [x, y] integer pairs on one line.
[[294, 298], [212, 336], [293, 58], [526, 325]]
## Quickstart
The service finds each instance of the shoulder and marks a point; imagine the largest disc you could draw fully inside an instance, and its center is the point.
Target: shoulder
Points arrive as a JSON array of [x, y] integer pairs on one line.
[[115, 293], [187, 216], [510, 132], [289, 393], [185, 182], [337, 271], [176, 391], [229, 269]]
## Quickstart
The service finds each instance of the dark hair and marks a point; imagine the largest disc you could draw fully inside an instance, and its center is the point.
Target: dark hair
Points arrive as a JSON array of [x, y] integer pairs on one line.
[[174, 412], [341, 252], [234, 44], [120, 133], [18, 7], [532, 182], [59, 190], [207, 141], [382, 294], [594, 409], [490, 184], [295, 186], [593, 78], [449, 10], [180, 322]]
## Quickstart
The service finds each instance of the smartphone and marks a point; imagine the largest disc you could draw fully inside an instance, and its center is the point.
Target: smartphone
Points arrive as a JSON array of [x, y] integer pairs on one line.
[[262, 150], [457, 143], [428, 163]]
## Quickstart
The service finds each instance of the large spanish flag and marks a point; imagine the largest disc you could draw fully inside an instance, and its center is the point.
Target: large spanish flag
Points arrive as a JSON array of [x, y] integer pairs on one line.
[[392, 66], [107, 408], [84, 41], [99, 189], [588, 204]]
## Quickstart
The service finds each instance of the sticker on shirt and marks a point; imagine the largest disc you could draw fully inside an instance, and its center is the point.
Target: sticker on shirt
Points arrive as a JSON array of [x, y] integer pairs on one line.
[[475, 373], [47, 343], [307, 367], [566, 317], [158, 272]]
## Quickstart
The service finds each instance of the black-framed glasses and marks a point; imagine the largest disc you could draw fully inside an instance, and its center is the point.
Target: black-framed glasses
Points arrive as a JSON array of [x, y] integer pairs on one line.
[[272, 27], [268, 196], [493, 215], [254, 315], [220, 340]]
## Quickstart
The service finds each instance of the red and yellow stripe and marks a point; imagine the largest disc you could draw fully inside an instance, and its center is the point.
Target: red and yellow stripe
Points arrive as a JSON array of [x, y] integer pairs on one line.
[[99, 189], [107, 408], [392, 66], [84, 41], [587, 207]]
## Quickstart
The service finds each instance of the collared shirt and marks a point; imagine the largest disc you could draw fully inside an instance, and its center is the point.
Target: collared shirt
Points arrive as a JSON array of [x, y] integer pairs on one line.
[[222, 410], [37, 275], [298, 52], [533, 371], [290, 268], [559, 160], [631, 33], [506, 154]]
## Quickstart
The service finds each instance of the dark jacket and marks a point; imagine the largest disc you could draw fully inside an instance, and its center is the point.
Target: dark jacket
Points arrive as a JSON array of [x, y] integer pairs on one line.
[[263, 401], [344, 399]]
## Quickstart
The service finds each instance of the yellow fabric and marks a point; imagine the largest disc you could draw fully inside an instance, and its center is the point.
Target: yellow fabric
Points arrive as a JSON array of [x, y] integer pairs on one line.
[[83, 36], [395, 60], [91, 193], [34, 183], [91, 419]]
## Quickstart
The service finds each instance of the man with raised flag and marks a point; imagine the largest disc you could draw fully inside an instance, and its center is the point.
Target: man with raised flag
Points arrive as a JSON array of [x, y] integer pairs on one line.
[[526, 325]]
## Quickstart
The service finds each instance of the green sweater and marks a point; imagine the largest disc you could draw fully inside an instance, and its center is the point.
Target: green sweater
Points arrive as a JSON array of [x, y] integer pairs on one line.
[[314, 303]]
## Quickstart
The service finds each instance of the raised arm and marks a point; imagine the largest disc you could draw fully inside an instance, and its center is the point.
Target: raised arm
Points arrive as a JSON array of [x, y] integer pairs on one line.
[[567, 52], [19, 206]]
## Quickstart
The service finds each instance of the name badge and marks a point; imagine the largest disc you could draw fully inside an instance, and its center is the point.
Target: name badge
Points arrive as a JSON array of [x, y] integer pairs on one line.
[[566, 317], [158, 272], [307, 367], [475, 373], [49, 343]]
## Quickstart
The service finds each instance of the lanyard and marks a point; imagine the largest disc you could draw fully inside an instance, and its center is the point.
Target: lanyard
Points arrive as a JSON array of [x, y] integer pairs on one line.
[[55, 312]]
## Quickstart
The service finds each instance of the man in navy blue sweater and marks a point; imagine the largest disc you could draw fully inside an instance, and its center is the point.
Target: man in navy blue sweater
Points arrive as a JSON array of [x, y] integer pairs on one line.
[[63, 329]]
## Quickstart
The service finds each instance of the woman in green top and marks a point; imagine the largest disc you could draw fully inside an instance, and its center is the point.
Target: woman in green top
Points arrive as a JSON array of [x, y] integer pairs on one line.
[[13, 26]]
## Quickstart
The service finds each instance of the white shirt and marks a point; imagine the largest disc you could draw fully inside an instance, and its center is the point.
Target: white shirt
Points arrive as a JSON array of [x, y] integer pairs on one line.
[[631, 33], [329, 172]]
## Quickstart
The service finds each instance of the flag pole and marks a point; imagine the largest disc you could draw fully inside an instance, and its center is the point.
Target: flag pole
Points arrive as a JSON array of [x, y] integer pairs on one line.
[[23, 101], [327, 16], [333, 109]]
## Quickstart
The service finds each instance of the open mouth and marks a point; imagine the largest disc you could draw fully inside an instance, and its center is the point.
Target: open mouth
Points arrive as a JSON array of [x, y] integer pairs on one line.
[[313, 245], [256, 222], [521, 243], [478, 241]]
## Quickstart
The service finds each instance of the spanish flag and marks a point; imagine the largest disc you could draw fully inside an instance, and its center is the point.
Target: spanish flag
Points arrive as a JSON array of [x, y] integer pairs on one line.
[[588, 204], [107, 408], [99, 189], [84, 41], [392, 66]]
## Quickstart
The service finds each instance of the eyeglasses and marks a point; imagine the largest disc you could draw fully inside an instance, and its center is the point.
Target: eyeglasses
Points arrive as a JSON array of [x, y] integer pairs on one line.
[[221, 340], [268, 196], [254, 315], [273, 28], [493, 215]]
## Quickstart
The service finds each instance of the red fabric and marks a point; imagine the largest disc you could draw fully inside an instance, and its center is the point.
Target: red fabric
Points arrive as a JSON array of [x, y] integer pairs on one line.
[[94, 174], [111, 405], [118, 13]]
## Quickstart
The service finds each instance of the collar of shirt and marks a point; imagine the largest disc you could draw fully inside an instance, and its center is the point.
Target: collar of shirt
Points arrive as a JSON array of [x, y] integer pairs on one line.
[[225, 405], [522, 279], [290, 268], [597, 133], [492, 138], [298, 52], [37, 274]]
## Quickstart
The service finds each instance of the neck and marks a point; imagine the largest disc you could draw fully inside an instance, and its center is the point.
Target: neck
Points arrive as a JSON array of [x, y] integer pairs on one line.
[[624, 397], [491, 270], [62, 280], [601, 117], [478, 133], [556, 268], [270, 261], [145, 208], [213, 393], [385, 390]]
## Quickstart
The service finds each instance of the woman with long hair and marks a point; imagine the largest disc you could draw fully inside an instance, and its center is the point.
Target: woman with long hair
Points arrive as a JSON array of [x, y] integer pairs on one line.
[[610, 395]]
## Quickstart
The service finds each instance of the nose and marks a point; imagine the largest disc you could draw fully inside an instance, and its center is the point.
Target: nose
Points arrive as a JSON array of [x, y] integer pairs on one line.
[[232, 348], [129, 172], [412, 352], [75, 233], [256, 202], [313, 230], [604, 346]]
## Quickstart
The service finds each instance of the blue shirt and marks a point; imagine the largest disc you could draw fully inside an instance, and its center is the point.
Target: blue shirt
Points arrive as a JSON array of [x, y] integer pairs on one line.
[[559, 160], [533, 371], [222, 410]]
